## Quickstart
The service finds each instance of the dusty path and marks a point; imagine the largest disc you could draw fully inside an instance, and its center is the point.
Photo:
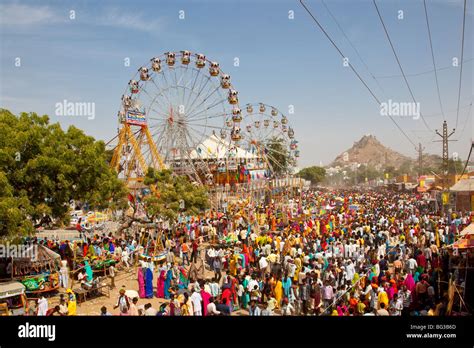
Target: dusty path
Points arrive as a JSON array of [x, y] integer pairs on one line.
[[123, 279]]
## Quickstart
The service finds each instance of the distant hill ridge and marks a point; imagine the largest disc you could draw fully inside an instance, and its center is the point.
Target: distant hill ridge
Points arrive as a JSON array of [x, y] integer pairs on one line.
[[371, 151]]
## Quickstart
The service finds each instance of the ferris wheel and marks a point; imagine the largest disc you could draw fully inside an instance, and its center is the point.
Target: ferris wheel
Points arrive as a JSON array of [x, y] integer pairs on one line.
[[267, 133], [179, 111]]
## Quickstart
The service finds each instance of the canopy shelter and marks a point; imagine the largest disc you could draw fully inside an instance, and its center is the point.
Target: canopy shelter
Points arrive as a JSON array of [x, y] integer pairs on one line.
[[40, 259], [463, 185], [464, 194], [10, 289], [466, 240], [468, 231], [36, 267], [215, 148]]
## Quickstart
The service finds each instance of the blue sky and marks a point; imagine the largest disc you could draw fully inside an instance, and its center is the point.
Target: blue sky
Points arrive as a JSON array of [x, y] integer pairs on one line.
[[282, 62]]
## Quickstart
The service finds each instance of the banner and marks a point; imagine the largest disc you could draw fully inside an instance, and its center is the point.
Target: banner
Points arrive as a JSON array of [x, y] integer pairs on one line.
[[136, 118], [445, 198]]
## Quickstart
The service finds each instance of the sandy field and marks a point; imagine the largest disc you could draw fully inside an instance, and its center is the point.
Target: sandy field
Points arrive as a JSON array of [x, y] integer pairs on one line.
[[128, 281]]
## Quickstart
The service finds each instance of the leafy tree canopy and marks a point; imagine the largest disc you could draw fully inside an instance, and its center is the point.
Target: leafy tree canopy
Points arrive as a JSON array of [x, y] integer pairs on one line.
[[168, 190], [43, 167], [278, 156], [314, 174]]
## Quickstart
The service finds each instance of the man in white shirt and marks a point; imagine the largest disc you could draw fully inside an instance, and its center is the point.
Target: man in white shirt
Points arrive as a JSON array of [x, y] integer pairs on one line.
[[125, 258], [350, 270], [42, 306], [214, 288], [254, 310], [397, 305], [411, 265], [253, 236], [150, 311], [382, 311], [301, 276], [196, 299], [263, 264], [243, 234], [291, 268], [64, 274], [211, 308], [251, 284]]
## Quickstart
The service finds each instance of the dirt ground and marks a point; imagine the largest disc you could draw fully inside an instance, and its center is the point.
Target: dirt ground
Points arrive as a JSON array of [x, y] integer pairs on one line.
[[128, 281]]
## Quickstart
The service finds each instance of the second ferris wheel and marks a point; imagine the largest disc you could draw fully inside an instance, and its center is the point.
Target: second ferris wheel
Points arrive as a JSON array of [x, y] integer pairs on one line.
[[181, 112], [267, 132]]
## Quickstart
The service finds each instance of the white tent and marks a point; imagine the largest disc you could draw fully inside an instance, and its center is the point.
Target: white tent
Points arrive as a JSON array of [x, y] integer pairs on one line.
[[464, 185], [469, 230], [215, 148]]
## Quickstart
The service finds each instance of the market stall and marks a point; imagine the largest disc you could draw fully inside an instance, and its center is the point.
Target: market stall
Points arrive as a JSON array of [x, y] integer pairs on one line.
[[38, 273]]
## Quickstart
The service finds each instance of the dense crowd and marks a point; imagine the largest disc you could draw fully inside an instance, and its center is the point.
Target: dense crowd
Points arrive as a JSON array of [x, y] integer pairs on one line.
[[343, 253]]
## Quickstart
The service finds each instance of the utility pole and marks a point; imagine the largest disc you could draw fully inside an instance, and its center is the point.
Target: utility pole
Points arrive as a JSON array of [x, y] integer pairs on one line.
[[445, 140], [420, 159]]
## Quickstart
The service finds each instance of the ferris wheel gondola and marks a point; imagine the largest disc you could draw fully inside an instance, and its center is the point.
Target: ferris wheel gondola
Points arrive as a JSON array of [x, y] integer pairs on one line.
[[266, 132], [169, 109]]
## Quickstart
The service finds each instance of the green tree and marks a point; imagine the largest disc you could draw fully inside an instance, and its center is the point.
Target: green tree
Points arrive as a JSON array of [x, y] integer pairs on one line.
[[168, 190], [314, 174], [45, 167], [455, 166], [278, 156]]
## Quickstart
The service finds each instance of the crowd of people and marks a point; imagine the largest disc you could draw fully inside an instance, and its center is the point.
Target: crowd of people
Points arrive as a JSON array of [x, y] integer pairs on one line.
[[338, 253], [324, 253]]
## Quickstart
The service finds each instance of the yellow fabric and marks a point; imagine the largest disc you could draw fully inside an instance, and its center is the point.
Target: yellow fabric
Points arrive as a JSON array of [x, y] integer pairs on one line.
[[233, 266], [278, 293], [71, 307], [383, 298]]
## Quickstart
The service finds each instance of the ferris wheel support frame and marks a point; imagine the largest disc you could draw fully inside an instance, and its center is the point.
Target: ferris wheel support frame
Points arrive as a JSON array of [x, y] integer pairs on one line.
[[126, 136], [115, 162]]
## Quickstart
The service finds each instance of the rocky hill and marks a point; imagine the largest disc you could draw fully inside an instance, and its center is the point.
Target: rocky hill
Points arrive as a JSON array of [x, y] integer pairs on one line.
[[369, 150]]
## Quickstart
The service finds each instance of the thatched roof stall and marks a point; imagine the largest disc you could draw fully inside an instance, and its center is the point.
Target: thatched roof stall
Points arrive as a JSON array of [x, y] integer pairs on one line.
[[42, 259], [36, 267]]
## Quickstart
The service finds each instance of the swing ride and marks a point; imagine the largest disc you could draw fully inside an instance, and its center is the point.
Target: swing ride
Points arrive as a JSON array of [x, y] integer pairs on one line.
[[153, 249]]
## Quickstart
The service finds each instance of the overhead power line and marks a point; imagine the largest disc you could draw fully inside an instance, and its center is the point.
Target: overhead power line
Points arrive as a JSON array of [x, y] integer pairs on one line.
[[467, 160], [462, 57], [421, 73], [355, 71], [353, 46], [465, 122], [433, 59], [398, 62]]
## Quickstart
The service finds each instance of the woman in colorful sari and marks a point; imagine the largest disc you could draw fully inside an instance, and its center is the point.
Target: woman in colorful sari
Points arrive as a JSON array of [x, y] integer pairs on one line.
[[286, 284], [234, 285], [71, 303], [416, 278], [205, 300], [298, 268], [233, 265], [160, 285], [169, 277], [392, 290], [88, 270], [183, 279], [278, 291], [246, 255], [410, 283], [148, 283], [141, 282]]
